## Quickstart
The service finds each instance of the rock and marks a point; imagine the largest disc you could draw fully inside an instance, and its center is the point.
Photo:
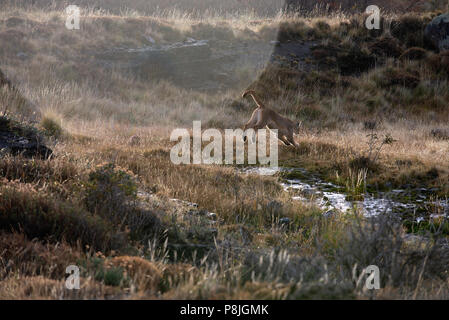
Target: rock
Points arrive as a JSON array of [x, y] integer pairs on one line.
[[285, 221], [13, 145], [437, 32], [16, 141]]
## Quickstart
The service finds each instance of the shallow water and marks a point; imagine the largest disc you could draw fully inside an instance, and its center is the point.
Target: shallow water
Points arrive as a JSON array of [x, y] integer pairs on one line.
[[332, 198]]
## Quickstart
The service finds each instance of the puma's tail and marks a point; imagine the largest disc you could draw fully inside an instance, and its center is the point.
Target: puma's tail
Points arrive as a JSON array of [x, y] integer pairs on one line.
[[252, 93]]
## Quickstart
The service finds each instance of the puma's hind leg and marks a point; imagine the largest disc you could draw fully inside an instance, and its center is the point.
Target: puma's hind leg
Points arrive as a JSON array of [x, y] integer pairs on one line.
[[250, 124], [291, 140]]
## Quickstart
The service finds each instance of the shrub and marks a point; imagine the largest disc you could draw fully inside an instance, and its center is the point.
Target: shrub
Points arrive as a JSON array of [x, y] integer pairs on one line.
[[39, 288], [113, 277], [381, 242], [355, 61], [409, 30], [143, 274], [414, 53], [36, 170], [51, 127], [398, 77], [439, 63], [109, 192], [387, 47], [29, 258], [112, 193], [41, 216]]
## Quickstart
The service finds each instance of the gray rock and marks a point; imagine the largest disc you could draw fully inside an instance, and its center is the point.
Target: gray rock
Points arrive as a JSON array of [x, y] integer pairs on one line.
[[437, 32], [28, 147], [285, 221]]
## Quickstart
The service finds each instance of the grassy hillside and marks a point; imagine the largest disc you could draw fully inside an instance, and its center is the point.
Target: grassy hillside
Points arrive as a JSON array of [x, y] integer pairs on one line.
[[372, 103]]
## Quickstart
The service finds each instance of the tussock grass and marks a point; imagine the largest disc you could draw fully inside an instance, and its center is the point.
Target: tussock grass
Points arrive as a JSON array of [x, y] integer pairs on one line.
[[85, 205]]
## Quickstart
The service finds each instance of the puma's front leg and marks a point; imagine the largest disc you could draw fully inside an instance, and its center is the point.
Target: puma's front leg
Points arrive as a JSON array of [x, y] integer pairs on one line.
[[284, 140]]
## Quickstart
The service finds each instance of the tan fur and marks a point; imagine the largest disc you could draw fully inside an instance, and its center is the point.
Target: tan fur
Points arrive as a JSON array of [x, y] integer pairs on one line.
[[264, 117]]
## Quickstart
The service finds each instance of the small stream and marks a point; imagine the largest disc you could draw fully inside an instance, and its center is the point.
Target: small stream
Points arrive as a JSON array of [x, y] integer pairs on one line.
[[418, 204]]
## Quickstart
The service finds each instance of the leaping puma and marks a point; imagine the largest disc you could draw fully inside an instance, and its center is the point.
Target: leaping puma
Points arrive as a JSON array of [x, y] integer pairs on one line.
[[264, 117]]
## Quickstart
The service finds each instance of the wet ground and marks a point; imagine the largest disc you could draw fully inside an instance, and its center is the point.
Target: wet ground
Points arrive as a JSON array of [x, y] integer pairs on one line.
[[418, 203]]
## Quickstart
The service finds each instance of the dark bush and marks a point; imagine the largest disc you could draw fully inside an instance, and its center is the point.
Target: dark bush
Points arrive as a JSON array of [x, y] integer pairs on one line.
[[409, 30], [439, 63], [109, 192], [112, 193], [399, 77], [355, 61], [386, 47], [42, 216], [414, 53]]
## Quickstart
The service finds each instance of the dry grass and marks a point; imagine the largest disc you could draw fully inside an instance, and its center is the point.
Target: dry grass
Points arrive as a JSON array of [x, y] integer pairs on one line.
[[72, 209]]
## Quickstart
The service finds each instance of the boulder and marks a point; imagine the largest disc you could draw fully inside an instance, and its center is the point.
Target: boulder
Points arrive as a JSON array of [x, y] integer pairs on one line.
[[437, 32], [16, 141]]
